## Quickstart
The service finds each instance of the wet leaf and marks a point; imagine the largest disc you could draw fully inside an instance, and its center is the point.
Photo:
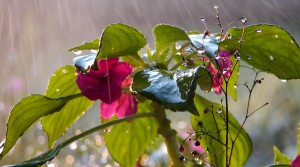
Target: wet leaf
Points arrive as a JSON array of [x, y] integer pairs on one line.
[[213, 122], [120, 40], [298, 152], [272, 50], [63, 83], [280, 158], [126, 142], [175, 90], [208, 43], [82, 63], [92, 45], [166, 35], [27, 112]]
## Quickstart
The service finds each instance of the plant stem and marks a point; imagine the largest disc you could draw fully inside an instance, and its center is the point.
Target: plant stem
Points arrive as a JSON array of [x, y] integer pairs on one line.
[[169, 136], [227, 125]]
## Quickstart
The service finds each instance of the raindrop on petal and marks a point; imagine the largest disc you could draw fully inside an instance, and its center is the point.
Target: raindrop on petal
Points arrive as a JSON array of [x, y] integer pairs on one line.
[[77, 52]]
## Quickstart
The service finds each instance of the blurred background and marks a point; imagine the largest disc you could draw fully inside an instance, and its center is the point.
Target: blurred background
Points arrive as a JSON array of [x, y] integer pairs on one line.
[[36, 34]]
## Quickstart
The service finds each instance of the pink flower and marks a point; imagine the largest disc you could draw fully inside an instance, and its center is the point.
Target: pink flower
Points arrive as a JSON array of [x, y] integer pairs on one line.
[[296, 162], [124, 106], [222, 71], [104, 83]]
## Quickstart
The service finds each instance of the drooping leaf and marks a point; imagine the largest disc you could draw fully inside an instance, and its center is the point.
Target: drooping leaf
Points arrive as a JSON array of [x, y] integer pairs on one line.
[[207, 43], [266, 47], [92, 45], [175, 90], [166, 35], [27, 112], [280, 158], [63, 83], [126, 142], [214, 125], [120, 40]]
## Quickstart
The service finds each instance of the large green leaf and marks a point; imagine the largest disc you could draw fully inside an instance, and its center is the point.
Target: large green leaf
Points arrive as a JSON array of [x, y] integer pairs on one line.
[[165, 36], [175, 90], [120, 40], [27, 112], [92, 45], [126, 142], [266, 47], [280, 158], [63, 83], [214, 124]]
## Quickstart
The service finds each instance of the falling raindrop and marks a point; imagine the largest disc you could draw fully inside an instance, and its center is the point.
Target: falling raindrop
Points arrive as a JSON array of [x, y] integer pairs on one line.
[[77, 52], [244, 19], [229, 36], [258, 30], [219, 110], [271, 58], [216, 6], [283, 80]]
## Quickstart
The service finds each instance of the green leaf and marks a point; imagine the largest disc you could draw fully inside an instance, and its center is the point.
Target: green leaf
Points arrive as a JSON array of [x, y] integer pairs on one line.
[[208, 44], [298, 152], [175, 90], [214, 125], [165, 36], [272, 50], [63, 83], [82, 63], [27, 112], [126, 142], [280, 158], [120, 40], [92, 45]]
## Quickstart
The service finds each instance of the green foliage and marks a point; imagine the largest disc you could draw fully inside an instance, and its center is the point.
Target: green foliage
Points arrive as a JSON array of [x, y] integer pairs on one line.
[[27, 112], [206, 43], [280, 158], [272, 50], [120, 40], [214, 125], [127, 141], [63, 83], [92, 45], [298, 152], [175, 90], [165, 36]]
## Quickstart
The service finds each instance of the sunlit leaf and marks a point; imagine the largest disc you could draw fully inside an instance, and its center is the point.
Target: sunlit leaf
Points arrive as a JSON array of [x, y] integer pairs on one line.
[[120, 40], [214, 124], [266, 47], [280, 158], [175, 90], [92, 45], [27, 112], [126, 142], [166, 35], [62, 83]]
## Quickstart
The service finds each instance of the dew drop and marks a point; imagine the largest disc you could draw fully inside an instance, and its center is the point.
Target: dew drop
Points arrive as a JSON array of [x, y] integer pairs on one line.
[[203, 19], [283, 80], [94, 51], [292, 41], [235, 86], [244, 19], [77, 52], [57, 90], [198, 160], [64, 71], [216, 6], [271, 58], [178, 46], [197, 143], [249, 57], [181, 157], [219, 110], [276, 36], [229, 36], [258, 30]]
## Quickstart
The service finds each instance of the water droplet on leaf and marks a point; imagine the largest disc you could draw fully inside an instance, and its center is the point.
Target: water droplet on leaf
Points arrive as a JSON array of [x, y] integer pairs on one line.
[[258, 30], [77, 52], [219, 110], [181, 149], [271, 58], [181, 157], [197, 143], [235, 86], [229, 36], [249, 57], [94, 51], [57, 90], [276, 36], [64, 71], [283, 80]]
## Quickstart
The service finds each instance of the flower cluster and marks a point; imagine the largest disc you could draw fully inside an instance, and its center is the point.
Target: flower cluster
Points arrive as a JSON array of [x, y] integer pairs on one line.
[[220, 70], [106, 84]]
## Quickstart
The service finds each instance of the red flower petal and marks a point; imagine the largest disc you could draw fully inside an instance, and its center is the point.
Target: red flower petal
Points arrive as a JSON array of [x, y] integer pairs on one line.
[[296, 162]]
